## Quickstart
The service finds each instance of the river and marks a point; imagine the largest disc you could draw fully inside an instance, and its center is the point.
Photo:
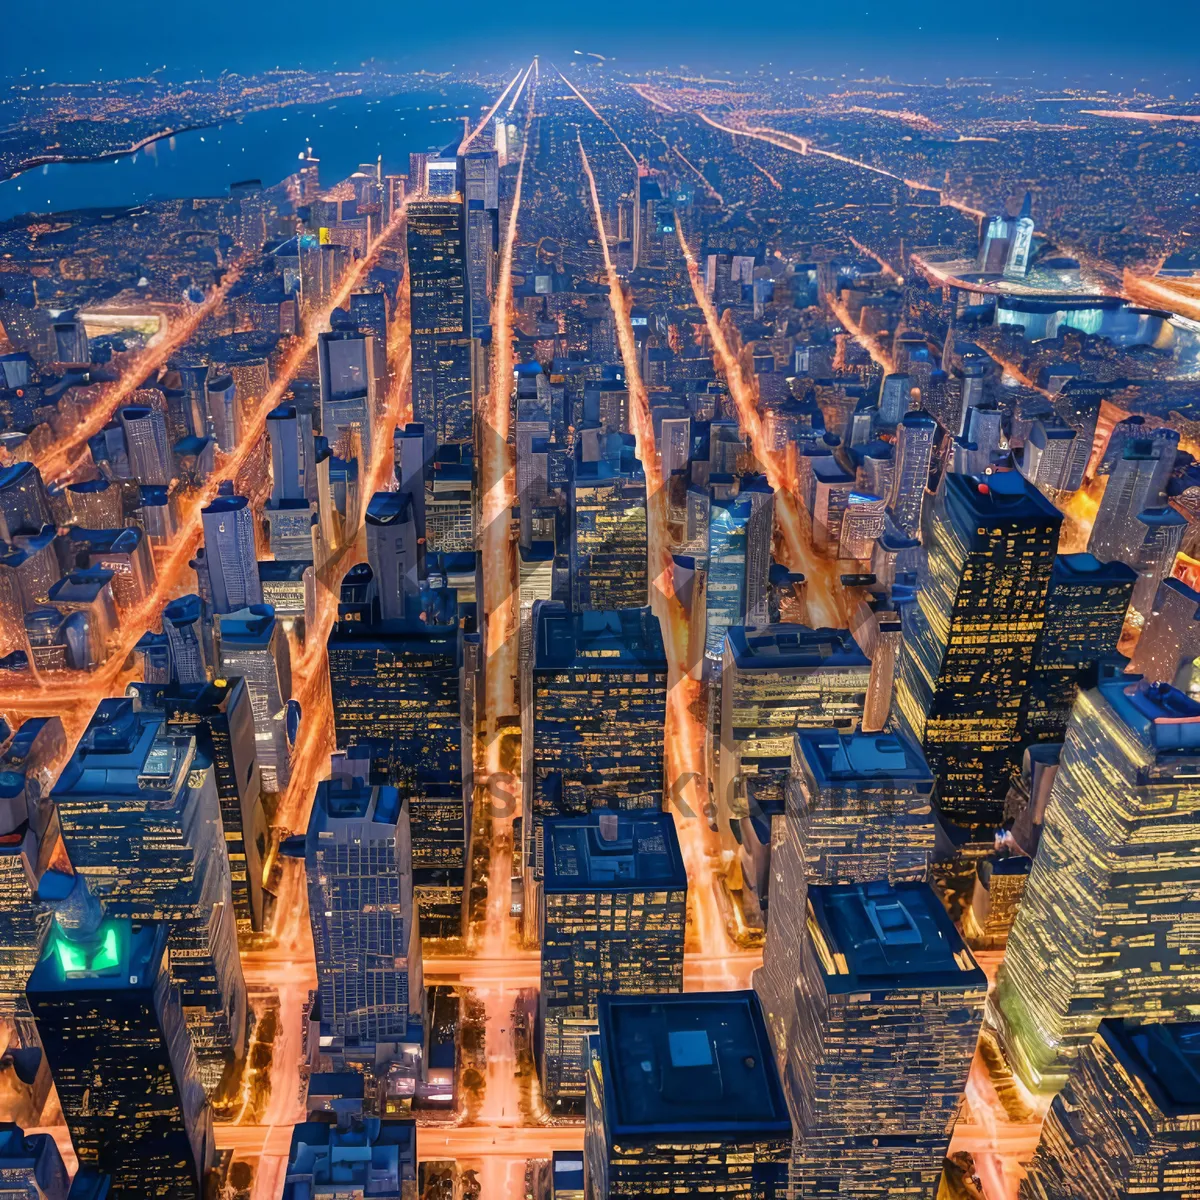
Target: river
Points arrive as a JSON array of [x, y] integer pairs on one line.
[[261, 145]]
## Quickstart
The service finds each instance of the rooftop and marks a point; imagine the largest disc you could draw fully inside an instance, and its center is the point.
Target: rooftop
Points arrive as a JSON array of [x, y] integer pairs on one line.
[[1161, 716], [1005, 499], [122, 955], [339, 800], [878, 937], [1087, 568], [774, 647], [690, 1065], [863, 759], [1164, 1058], [613, 640], [612, 852]]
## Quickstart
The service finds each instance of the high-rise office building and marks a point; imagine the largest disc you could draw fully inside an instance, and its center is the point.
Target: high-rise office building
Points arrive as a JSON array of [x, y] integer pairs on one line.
[[113, 1030], [1125, 1125], [875, 1010], [915, 436], [1085, 613], [24, 505], [146, 444], [725, 593], [683, 1098], [1106, 924], [970, 638], [613, 917], [254, 647], [141, 817], [392, 551], [1138, 481], [777, 679], [481, 175], [351, 375], [31, 1167], [1160, 533], [358, 858], [608, 535], [1171, 636], [229, 552], [220, 716], [398, 688], [183, 625], [443, 355], [859, 806], [593, 713]]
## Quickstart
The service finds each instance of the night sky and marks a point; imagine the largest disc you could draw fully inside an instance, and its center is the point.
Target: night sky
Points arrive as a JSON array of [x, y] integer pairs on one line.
[[924, 38]]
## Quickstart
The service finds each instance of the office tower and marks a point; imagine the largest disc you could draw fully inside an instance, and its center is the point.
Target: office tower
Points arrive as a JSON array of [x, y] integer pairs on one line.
[[126, 553], [417, 181], [358, 859], [684, 1098], [224, 413], [441, 176], [70, 340], [915, 436], [1048, 456], [1161, 534], [1137, 482], [830, 487], [895, 396], [25, 854], [759, 537], [23, 502], [875, 1012], [354, 1158], [400, 686], [350, 378], [1085, 613], [863, 524], [1171, 636], [777, 679], [595, 711], [255, 647], [994, 243], [449, 504], [442, 348], [392, 551], [613, 916], [1021, 245], [95, 504], [139, 810], [729, 520], [146, 444], [859, 806], [1125, 1125], [970, 638], [1117, 852], [608, 535], [481, 180], [112, 1026], [183, 625], [229, 551], [219, 715], [293, 469], [31, 1168]]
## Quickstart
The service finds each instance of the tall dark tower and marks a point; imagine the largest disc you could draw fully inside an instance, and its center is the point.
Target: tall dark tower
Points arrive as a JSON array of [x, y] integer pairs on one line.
[[970, 639]]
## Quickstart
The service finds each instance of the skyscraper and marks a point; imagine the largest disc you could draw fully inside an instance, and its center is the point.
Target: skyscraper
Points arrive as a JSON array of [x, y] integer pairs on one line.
[[1085, 613], [1125, 1124], [1105, 925], [183, 625], [392, 551], [777, 679], [970, 638], [229, 552], [146, 443], [915, 436], [612, 923], [875, 1016], [1137, 482], [683, 1098], [142, 820], [442, 348], [114, 1035], [358, 858], [481, 179], [350, 378], [220, 716], [608, 535]]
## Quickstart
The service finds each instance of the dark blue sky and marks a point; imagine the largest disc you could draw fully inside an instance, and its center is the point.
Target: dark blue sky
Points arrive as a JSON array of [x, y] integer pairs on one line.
[[920, 38]]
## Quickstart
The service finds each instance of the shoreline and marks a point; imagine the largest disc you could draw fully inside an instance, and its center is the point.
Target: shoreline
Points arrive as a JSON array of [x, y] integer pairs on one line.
[[42, 160]]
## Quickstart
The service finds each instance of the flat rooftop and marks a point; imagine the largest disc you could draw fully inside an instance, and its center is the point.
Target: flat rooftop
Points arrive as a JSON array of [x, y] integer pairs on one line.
[[612, 852], [123, 955], [774, 647], [878, 937], [613, 640], [338, 801], [1166, 1058], [1004, 499], [693, 1065], [1161, 716], [864, 759]]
